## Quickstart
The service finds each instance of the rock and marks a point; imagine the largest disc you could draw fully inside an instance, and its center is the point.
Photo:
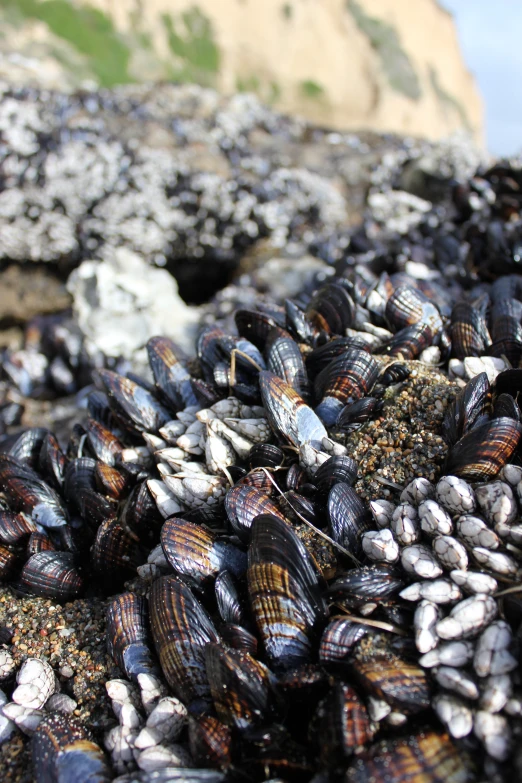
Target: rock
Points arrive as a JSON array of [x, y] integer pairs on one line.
[[27, 292], [121, 302]]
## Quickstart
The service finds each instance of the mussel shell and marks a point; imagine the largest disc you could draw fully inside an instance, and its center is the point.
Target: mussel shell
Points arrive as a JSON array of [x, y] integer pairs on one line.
[[206, 393], [357, 413], [209, 352], [51, 462], [298, 323], [425, 756], [482, 452], [14, 527], [28, 445], [408, 343], [509, 382], [339, 639], [260, 479], [265, 455], [227, 598], [137, 405], [10, 561], [39, 542], [140, 515], [27, 492], [52, 575], [468, 331], [181, 629], [343, 725], [321, 356], [244, 504], [239, 638], [111, 481], [506, 405], [247, 356], [63, 750], [105, 445], [472, 406], [286, 361], [210, 741], [284, 590], [402, 684], [408, 306], [115, 554], [332, 309], [366, 583], [128, 635], [335, 470], [171, 376], [346, 379], [348, 516], [255, 326], [297, 508], [240, 686], [197, 553], [287, 413]]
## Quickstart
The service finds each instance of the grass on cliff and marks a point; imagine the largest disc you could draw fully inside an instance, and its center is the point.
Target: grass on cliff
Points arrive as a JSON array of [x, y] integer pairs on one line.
[[448, 100], [191, 39], [88, 30], [384, 38]]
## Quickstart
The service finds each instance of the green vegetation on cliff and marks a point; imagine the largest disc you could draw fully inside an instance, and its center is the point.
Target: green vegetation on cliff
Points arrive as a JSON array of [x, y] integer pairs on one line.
[[191, 39], [383, 37], [88, 30]]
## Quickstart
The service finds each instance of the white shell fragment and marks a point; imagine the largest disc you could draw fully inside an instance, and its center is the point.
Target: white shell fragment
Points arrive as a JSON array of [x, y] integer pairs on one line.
[[35, 684], [450, 552], [498, 562], [378, 709], [119, 741], [380, 545], [162, 756], [420, 561], [494, 732], [455, 495], [497, 502], [382, 512], [434, 520], [512, 474], [26, 718], [455, 680], [474, 532], [449, 654], [454, 713], [168, 718], [424, 622], [492, 655], [405, 524], [7, 664], [440, 591], [152, 689], [417, 491], [468, 618], [474, 582], [60, 702], [496, 692]]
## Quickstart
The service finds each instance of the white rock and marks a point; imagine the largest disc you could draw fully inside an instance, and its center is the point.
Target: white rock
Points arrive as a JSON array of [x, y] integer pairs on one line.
[[122, 301]]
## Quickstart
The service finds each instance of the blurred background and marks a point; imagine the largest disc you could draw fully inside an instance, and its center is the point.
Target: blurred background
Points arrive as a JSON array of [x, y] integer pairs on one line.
[[425, 68]]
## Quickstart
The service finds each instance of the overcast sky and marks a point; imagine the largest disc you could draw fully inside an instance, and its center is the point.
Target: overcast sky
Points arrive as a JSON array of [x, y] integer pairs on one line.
[[490, 36]]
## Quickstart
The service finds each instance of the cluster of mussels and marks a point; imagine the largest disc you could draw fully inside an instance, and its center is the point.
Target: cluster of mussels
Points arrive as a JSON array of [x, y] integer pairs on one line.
[[277, 625]]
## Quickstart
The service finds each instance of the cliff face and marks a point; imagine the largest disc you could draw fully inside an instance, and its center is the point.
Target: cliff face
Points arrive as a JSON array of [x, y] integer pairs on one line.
[[386, 65]]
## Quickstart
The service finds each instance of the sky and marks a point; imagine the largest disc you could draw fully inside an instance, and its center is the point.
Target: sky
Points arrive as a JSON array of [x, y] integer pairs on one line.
[[490, 35]]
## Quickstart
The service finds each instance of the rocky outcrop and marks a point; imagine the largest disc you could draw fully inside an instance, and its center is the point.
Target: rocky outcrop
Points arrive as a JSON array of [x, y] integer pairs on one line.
[[343, 64]]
